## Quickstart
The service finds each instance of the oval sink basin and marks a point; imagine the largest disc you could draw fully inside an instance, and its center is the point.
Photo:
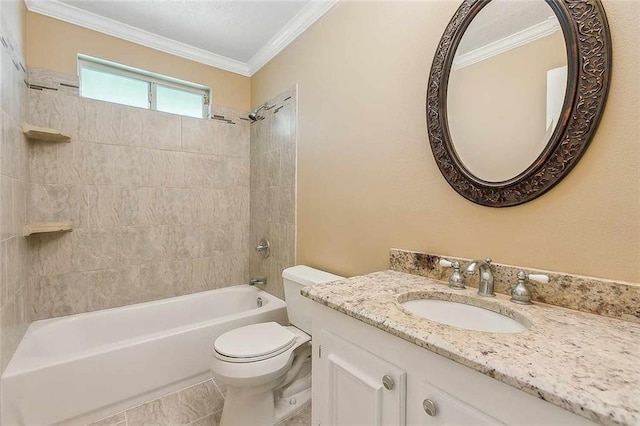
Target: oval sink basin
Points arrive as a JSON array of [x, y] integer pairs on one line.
[[462, 315]]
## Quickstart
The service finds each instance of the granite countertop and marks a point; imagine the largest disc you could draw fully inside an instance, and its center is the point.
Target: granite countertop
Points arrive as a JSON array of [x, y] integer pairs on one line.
[[585, 363]]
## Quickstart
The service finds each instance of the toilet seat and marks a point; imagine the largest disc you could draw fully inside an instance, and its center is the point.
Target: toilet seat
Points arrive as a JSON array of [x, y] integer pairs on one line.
[[255, 342], [233, 372]]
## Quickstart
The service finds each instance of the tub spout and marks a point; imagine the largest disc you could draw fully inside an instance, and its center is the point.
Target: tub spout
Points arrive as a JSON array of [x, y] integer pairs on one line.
[[258, 281]]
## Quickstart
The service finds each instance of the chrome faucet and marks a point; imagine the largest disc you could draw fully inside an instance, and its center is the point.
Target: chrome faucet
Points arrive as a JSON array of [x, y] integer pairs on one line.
[[485, 287]]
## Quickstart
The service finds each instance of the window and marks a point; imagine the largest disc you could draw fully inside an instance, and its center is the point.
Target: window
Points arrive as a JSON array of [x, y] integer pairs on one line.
[[107, 81]]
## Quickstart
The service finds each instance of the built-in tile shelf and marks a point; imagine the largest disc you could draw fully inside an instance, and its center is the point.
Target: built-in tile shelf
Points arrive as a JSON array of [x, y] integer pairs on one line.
[[46, 227], [44, 134]]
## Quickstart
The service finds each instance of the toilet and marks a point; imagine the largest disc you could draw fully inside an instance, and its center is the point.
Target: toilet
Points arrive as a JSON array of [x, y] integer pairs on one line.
[[266, 367]]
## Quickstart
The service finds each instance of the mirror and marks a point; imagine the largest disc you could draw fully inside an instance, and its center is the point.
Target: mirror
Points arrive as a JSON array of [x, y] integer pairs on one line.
[[506, 88], [507, 91]]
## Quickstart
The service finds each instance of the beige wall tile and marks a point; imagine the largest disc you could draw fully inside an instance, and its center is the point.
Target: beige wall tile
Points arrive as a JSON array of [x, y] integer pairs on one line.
[[175, 206], [4, 262], [199, 135], [6, 207], [110, 206], [18, 265], [50, 109], [92, 249], [95, 163], [180, 242], [130, 166], [136, 245], [57, 295], [150, 206], [204, 272], [273, 171], [77, 292], [51, 254], [19, 206], [105, 206], [110, 288], [107, 123], [201, 171], [144, 189], [273, 180], [232, 139], [67, 162], [160, 130], [288, 165], [43, 163], [167, 169], [201, 205], [167, 279], [14, 173]]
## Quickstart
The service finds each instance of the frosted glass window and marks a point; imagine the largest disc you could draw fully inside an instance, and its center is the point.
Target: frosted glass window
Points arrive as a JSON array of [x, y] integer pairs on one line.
[[114, 88], [179, 101], [120, 84]]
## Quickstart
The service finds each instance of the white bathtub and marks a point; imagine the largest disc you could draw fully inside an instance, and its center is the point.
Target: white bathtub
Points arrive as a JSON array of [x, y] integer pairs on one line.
[[80, 368]]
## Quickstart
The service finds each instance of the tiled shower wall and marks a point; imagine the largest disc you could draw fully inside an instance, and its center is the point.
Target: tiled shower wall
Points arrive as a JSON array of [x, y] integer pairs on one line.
[[14, 251], [159, 203], [273, 188]]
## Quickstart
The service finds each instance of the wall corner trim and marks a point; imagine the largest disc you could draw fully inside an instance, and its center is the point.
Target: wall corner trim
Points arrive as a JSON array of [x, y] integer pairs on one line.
[[309, 14], [313, 11]]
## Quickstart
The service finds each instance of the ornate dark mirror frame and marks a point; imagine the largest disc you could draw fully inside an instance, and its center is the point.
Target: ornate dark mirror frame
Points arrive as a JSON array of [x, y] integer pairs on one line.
[[588, 43]]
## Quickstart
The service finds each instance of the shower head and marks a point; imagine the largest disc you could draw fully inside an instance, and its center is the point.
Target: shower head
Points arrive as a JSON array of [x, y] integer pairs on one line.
[[253, 116]]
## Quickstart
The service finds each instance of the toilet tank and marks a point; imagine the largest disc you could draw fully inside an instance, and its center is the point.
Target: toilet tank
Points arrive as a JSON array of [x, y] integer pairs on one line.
[[298, 306]]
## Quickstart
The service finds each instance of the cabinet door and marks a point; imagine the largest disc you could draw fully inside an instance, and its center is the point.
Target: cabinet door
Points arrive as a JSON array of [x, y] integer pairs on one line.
[[449, 410], [352, 387]]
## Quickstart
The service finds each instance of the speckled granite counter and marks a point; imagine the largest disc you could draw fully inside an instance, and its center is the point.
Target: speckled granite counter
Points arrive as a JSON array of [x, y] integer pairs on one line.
[[585, 363]]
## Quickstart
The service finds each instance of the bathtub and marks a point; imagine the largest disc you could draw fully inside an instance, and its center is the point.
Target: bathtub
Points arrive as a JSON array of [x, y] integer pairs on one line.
[[81, 368]]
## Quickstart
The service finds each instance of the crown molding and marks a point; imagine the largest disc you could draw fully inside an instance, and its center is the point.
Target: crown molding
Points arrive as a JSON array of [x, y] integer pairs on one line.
[[309, 14], [534, 32], [313, 11]]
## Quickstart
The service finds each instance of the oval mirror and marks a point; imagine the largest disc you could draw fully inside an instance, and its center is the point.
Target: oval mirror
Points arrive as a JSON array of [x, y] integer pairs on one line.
[[515, 93]]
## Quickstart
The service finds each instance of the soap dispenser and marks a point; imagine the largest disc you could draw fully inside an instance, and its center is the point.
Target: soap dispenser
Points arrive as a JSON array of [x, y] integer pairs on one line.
[[456, 280], [520, 293]]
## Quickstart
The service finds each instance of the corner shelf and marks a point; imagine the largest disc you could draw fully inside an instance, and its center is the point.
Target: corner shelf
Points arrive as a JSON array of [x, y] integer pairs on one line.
[[47, 227], [44, 134]]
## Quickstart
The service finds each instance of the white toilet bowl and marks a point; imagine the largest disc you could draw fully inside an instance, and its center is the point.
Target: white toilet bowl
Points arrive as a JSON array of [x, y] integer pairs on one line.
[[266, 367], [254, 361]]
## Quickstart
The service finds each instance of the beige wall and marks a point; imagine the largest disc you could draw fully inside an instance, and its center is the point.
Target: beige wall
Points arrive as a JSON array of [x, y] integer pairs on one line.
[[54, 45], [367, 180]]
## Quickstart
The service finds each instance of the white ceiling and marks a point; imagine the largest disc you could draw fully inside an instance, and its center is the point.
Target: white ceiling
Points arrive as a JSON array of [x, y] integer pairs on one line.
[[237, 35]]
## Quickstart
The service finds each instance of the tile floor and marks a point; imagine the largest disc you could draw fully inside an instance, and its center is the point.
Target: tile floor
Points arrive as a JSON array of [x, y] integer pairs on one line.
[[198, 405]]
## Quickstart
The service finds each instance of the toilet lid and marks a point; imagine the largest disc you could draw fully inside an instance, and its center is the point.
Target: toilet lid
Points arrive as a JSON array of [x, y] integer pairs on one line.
[[256, 340]]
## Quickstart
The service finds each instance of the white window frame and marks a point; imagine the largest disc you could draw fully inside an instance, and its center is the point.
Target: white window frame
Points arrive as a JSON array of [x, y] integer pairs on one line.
[[96, 64]]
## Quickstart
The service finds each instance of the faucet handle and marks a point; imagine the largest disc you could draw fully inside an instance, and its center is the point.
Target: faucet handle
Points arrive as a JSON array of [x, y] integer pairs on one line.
[[447, 263], [539, 278], [520, 292], [456, 280], [488, 260]]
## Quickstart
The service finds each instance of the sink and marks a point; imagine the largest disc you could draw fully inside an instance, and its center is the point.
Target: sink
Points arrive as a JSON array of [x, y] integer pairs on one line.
[[463, 315]]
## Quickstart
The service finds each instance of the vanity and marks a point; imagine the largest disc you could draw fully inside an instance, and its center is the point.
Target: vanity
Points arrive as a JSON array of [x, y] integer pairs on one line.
[[378, 363]]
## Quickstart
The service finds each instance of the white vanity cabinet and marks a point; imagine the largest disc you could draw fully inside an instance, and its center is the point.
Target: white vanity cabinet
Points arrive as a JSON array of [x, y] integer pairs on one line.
[[358, 387], [366, 376]]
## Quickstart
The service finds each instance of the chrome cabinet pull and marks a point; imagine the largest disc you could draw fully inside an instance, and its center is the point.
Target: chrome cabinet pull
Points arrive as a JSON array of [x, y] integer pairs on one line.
[[387, 382], [430, 407]]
